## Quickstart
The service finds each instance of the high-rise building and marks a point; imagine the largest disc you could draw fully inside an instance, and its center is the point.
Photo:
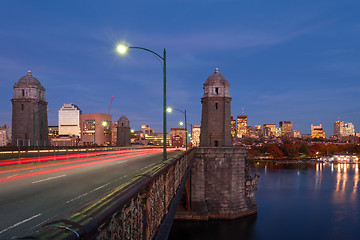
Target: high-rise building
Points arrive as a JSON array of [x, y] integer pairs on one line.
[[286, 128], [258, 127], [233, 127], [259, 131], [269, 130], [317, 131], [349, 129], [96, 129], [145, 129], [123, 132], [278, 132], [216, 112], [250, 132], [339, 128], [195, 132], [5, 135], [114, 133], [178, 137], [241, 126], [29, 113], [296, 134], [69, 120]]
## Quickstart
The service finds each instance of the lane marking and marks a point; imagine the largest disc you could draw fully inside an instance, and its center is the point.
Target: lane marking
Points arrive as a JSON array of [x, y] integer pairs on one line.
[[47, 220], [123, 161], [12, 176], [46, 179], [19, 223], [100, 187], [83, 195]]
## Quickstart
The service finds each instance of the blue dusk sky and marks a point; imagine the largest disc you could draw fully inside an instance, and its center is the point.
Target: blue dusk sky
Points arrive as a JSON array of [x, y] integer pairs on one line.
[[285, 60]]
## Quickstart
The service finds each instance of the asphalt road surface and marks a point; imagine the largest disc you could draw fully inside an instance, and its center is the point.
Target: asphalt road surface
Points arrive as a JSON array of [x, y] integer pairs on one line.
[[36, 193]]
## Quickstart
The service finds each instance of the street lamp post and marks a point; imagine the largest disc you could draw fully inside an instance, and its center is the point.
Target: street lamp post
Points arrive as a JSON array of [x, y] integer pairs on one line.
[[191, 136], [122, 49], [186, 131]]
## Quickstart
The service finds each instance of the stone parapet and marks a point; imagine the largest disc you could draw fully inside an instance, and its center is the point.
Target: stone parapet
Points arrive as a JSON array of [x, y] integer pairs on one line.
[[135, 210]]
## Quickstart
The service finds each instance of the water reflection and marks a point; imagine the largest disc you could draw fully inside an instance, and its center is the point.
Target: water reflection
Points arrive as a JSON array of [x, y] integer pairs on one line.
[[342, 176], [295, 201], [318, 176]]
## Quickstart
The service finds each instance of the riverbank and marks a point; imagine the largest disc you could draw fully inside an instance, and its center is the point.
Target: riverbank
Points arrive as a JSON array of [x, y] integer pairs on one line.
[[275, 160]]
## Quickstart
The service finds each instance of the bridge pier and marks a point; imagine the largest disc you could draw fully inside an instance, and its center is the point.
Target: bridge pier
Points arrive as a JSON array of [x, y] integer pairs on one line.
[[220, 185]]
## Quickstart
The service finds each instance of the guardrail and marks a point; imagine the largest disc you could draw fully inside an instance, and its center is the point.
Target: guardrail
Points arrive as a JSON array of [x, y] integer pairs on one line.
[[134, 210]]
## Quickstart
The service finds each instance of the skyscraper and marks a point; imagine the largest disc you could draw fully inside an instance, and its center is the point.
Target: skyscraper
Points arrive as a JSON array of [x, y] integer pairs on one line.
[[241, 126], [195, 132], [259, 130], [29, 113], [69, 120], [233, 127], [317, 131], [349, 129], [216, 112], [286, 128], [339, 128], [269, 130]]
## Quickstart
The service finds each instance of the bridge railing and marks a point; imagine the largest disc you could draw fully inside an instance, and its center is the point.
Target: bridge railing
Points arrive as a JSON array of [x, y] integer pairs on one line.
[[134, 210]]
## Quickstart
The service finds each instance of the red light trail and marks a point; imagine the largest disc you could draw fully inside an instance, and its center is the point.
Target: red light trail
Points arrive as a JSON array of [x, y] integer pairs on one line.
[[65, 156], [118, 155]]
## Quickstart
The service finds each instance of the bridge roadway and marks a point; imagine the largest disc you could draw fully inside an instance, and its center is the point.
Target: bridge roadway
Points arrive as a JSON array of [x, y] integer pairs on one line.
[[36, 193]]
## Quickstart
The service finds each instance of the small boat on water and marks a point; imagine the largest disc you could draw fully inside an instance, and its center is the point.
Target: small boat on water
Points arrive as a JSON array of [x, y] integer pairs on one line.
[[340, 158]]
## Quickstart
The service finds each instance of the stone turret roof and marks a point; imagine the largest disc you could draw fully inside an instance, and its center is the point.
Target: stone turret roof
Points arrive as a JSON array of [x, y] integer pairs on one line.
[[29, 80], [216, 77], [124, 119]]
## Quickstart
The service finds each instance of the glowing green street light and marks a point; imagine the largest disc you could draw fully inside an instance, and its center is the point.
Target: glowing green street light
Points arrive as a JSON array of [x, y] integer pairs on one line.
[[122, 49]]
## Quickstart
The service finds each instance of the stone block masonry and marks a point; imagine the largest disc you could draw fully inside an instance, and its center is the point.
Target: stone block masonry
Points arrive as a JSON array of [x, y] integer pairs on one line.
[[221, 186]]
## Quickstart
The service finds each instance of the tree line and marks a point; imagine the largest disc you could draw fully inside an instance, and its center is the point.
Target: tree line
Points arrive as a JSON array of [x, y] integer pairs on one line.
[[291, 150]]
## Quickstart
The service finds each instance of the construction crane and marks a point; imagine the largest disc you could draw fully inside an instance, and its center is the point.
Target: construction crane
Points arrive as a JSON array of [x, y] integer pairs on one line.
[[112, 98]]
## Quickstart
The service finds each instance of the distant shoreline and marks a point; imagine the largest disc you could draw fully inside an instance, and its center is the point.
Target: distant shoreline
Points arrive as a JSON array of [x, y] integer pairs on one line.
[[301, 160]]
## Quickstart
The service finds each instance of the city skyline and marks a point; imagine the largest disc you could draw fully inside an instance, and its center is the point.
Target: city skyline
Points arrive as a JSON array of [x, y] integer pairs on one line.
[[293, 61]]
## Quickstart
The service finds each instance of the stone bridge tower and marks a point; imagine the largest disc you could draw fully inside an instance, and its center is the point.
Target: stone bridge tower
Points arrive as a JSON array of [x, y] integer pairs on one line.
[[123, 132], [216, 112], [29, 113], [220, 184]]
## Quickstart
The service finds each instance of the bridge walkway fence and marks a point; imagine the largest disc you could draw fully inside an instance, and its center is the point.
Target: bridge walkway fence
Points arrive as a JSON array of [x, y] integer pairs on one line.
[[142, 208]]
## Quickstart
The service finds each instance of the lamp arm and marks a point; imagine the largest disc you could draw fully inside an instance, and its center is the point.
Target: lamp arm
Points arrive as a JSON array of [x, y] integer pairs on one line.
[[149, 51]]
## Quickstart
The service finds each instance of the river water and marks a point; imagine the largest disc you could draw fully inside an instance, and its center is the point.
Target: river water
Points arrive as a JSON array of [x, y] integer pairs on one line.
[[295, 201]]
